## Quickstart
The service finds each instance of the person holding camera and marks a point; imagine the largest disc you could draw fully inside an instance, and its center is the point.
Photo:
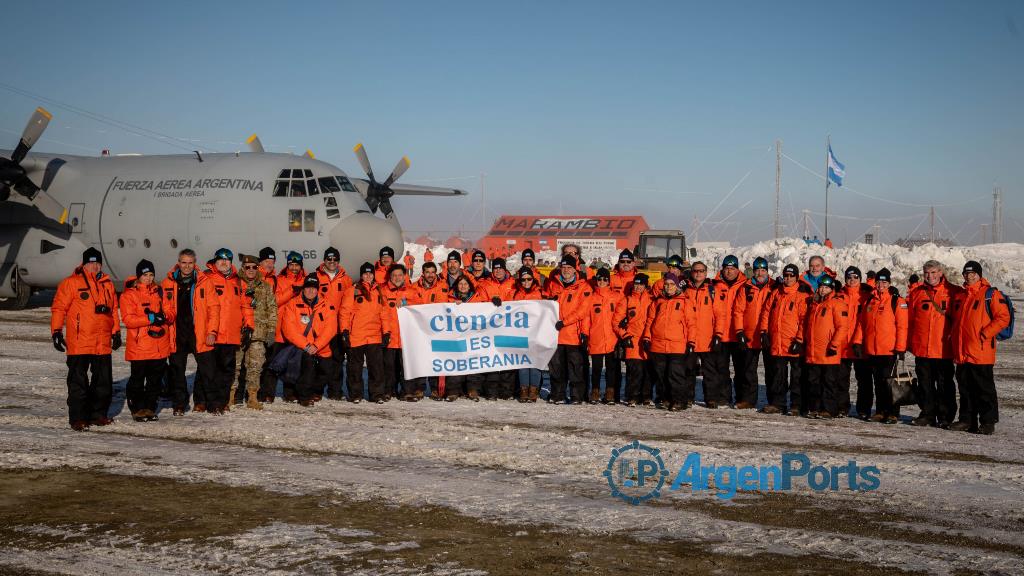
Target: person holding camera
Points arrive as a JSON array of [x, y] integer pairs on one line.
[[86, 306], [149, 342]]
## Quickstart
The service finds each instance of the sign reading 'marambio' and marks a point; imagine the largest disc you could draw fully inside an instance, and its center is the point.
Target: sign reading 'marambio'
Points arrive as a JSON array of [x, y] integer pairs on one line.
[[555, 224], [513, 233]]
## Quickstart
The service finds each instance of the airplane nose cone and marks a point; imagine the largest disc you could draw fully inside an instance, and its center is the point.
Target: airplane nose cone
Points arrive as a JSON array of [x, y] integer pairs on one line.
[[360, 237]]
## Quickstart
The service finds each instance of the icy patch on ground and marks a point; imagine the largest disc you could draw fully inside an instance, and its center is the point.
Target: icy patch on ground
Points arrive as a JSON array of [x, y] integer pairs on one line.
[[277, 548]]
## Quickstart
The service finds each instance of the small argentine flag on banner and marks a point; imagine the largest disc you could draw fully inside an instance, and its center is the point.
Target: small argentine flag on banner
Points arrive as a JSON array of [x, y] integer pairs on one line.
[[836, 170]]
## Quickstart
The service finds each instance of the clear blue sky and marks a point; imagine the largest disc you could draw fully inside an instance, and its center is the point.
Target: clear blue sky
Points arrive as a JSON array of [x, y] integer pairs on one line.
[[641, 107]]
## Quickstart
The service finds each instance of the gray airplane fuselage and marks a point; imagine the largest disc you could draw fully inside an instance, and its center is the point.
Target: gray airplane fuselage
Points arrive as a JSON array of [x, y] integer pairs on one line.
[[135, 207]]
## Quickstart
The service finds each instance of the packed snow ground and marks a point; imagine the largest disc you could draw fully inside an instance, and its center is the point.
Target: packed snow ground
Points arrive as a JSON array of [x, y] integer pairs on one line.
[[947, 501], [1003, 264]]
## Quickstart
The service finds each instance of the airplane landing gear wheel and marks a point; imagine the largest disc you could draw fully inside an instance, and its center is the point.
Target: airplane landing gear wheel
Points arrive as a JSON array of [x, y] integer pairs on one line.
[[22, 292]]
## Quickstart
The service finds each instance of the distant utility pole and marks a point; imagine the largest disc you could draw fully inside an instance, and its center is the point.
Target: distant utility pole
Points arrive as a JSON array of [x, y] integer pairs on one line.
[[807, 223], [931, 228], [984, 234], [483, 206], [997, 215], [696, 227], [778, 185]]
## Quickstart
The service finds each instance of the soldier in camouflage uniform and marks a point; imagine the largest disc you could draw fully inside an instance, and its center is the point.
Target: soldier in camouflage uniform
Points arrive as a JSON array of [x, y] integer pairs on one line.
[[259, 308]]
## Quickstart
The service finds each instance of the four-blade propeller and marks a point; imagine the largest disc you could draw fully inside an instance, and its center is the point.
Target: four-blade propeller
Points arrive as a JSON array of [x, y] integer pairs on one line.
[[378, 194], [13, 174]]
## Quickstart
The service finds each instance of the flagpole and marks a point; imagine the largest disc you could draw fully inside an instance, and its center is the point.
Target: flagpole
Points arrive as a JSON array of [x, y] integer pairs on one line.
[[828, 145]]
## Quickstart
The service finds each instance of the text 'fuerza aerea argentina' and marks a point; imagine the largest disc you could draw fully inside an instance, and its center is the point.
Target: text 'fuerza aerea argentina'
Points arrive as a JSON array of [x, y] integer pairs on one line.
[[459, 339]]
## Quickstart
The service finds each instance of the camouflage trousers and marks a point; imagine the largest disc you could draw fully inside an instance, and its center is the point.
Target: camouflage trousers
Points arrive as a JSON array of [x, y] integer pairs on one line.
[[252, 358]]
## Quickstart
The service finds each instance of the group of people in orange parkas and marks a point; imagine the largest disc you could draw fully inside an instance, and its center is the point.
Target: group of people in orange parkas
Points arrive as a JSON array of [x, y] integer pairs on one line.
[[811, 330]]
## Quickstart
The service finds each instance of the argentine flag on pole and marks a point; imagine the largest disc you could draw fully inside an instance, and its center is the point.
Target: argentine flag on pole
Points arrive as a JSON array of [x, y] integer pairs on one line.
[[836, 170]]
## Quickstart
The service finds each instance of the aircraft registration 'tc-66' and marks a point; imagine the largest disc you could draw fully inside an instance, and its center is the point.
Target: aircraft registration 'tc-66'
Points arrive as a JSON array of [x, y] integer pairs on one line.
[[53, 206]]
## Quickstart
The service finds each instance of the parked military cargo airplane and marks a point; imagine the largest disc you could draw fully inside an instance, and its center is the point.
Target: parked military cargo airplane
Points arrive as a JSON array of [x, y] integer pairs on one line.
[[131, 207]]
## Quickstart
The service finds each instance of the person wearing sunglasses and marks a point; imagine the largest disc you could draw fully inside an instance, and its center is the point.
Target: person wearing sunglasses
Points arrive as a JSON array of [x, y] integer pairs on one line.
[[573, 251], [747, 313], [724, 344], [259, 308], [700, 292], [625, 271], [223, 278], [478, 266], [334, 283], [527, 288], [385, 258], [782, 332], [287, 284], [856, 293], [527, 259]]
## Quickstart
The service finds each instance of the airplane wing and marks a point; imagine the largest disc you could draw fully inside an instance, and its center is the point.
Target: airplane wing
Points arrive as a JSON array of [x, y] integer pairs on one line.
[[362, 184]]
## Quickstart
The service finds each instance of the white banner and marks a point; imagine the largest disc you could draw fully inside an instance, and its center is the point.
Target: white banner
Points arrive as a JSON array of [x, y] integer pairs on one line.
[[460, 339], [588, 245]]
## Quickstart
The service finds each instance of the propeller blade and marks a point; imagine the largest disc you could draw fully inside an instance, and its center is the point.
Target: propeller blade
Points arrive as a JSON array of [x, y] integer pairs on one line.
[[310, 155], [385, 207], [50, 207], [41, 200], [254, 144], [364, 161], [33, 130], [400, 169]]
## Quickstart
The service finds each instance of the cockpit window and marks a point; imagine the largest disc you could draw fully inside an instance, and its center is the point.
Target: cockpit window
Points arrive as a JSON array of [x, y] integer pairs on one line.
[[300, 183], [329, 184], [346, 185]]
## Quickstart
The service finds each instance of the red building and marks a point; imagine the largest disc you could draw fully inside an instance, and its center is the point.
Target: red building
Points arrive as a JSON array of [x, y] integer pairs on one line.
[[458, 243], [511, 234], [427, 240]]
